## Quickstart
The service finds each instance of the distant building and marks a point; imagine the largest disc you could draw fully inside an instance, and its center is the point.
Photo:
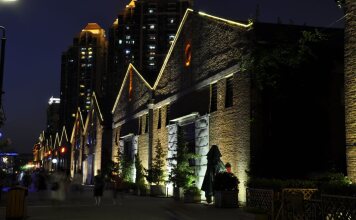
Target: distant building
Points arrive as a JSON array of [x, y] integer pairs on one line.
[[142, 36], [82, 72], [53, 116], [271, 116]]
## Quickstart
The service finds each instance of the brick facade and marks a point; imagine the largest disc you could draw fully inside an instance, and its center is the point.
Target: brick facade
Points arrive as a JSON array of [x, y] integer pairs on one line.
[[350, 86]]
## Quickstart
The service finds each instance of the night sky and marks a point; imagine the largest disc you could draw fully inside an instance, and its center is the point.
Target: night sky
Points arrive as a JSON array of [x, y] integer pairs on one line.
[[38, 31]]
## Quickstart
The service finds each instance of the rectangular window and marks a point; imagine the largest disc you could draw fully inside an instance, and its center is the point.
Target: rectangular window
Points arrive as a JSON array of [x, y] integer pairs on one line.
[[159, 119], [139, 125], [146, 125], [213, 97], [168, 112], [229, 92]]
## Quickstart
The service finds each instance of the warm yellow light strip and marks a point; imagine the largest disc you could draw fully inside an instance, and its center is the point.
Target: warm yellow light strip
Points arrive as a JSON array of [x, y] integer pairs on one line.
[[226, 20], [172, 46], [64, 134], [78, 117], [123, 84], [143, 79], [97, 105]]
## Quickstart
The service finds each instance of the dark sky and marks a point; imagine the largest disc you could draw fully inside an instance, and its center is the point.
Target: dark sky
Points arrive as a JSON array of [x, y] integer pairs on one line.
[[38, 31]]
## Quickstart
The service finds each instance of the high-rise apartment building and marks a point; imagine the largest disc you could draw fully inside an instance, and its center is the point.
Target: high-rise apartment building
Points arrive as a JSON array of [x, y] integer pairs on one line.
[[53, 116], [142, 35], [83, 71]]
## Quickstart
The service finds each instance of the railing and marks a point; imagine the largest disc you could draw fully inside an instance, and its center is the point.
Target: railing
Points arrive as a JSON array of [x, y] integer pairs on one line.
[[302, 204], [338, 207], [261, 199]]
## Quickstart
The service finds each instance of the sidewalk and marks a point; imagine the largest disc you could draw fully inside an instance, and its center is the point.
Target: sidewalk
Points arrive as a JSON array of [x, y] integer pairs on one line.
[[78, 207]]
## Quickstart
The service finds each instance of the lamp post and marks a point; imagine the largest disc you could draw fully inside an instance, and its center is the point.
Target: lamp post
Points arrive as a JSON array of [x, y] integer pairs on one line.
[[2, 61]]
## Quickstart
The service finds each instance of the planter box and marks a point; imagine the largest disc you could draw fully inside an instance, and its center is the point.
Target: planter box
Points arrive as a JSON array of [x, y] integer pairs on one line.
[[178, 193], [158, 190], [192, 198], [226, 199]]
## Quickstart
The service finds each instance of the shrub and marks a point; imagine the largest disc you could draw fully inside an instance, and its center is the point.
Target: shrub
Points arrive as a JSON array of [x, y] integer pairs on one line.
[[225, 181]]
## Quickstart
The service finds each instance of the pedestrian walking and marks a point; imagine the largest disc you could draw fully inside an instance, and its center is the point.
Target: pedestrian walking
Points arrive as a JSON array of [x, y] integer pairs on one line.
[[58, 187], [98, 187]]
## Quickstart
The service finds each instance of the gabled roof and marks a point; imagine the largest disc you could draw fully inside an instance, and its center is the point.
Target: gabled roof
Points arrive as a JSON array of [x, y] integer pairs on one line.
[[93, 107], [124, 81], [64, 136], [78, 117], [187, 13]]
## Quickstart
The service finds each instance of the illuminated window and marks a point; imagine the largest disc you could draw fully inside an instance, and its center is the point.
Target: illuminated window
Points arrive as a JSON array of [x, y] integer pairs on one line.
[[152, 53], [151, 58], [71, 61], [229, 92], [82, 52], [213, 97], [73, 115], [188, 54], [152, 26], [120, 41], [90, 52], [150, 10], [146, 125], [128, 37], [90, 57], [168, 113], [152, 37], [151, 64], [90, 48], [152, 47], [171, 20], [139, 125], [82, 86], [127, 51]]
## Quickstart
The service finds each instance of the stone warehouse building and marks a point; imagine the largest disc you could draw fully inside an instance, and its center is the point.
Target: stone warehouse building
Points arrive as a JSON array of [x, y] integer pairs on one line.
[[215, 85]]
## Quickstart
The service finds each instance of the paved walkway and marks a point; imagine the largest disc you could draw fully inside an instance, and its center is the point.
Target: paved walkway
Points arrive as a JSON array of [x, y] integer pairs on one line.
[[81, 206]]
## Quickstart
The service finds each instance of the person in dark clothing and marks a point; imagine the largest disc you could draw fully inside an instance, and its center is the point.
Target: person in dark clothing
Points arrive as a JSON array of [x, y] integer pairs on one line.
[[98, 187]]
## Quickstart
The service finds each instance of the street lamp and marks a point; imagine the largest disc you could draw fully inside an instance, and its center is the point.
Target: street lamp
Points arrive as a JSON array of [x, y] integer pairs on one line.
[[2, 63]]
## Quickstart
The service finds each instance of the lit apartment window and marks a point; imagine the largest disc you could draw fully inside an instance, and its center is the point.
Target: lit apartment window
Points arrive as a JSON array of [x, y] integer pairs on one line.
[[152, 47], [151, 10], [90, 57], [128, 37], [82, 86], [83, 53], [127, 28], [90, 52], [133, 42], [151, 58], [71, 61], [213, 97], [152, 64], [171, 20], [120, 41], [90, 48], [152, 53], [152, 37], [152, 26], [229, 92], [83, 48], [127, 51]]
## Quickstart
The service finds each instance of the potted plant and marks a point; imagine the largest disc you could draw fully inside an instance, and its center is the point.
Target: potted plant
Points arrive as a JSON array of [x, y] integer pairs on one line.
[[155, 175], [226, 190], [182, 174], [192, 194]]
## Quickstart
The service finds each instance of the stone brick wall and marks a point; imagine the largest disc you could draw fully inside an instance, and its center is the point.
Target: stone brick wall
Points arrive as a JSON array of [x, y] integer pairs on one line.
[[143, 149], [115, 143], [162, 133], [350, 86], [219, 50], [139, 97], [98, 147], [230, 128]]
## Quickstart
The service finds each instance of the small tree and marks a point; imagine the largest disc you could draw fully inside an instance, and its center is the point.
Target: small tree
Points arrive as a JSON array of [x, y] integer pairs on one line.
[[156, 173], [140, 181], [182, 174]]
